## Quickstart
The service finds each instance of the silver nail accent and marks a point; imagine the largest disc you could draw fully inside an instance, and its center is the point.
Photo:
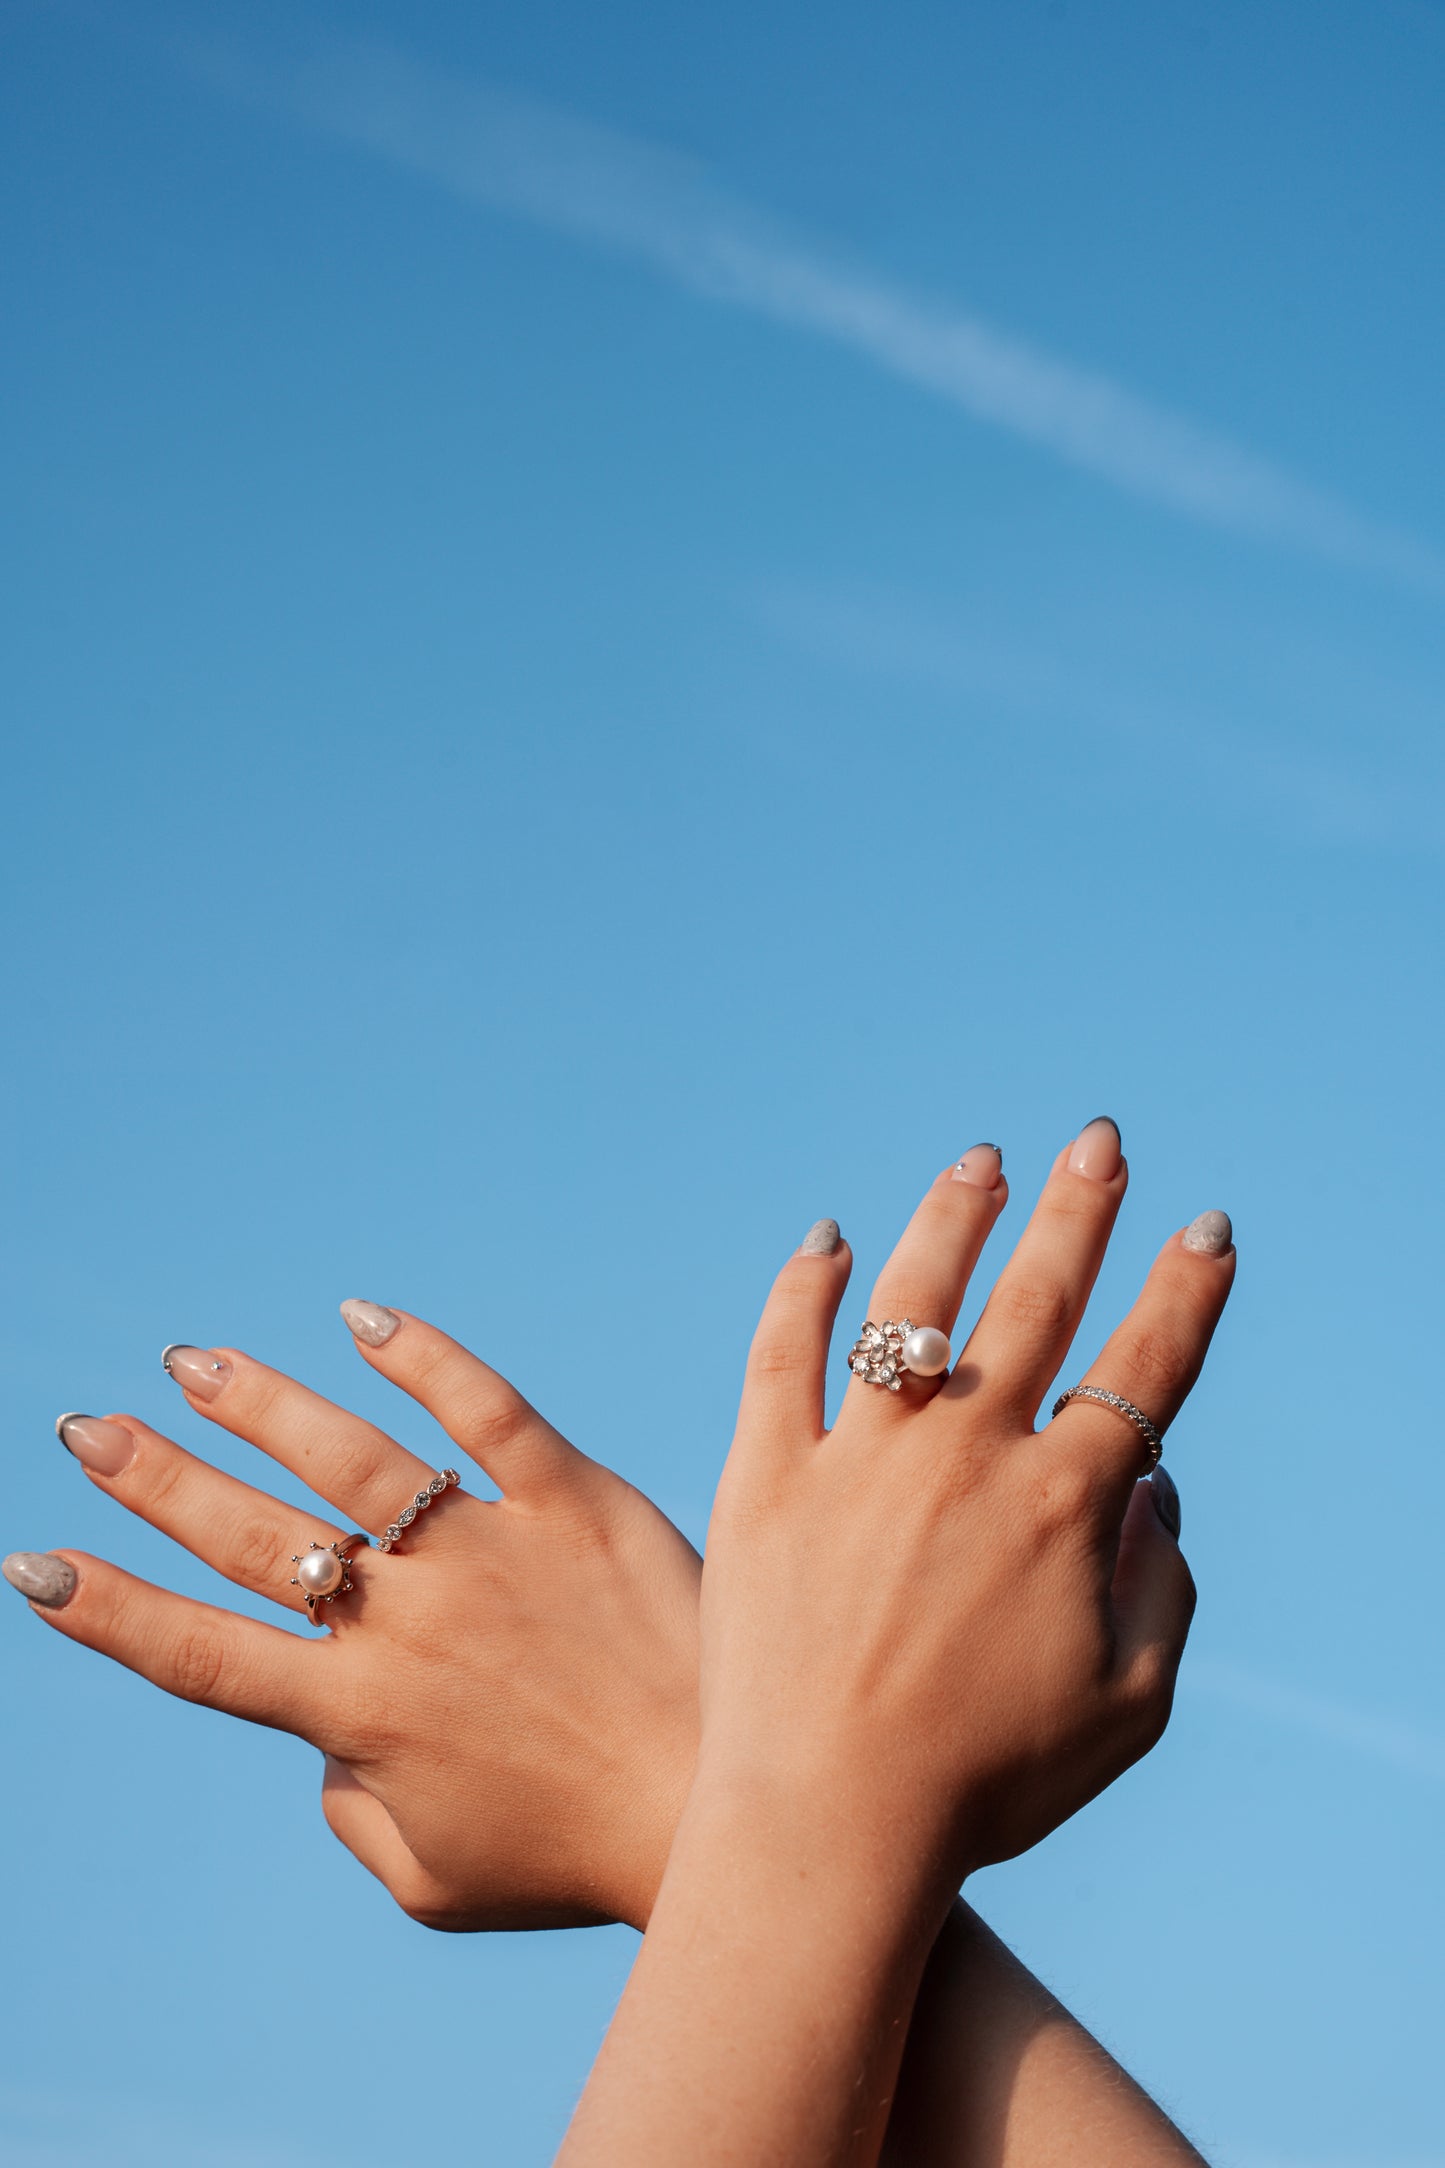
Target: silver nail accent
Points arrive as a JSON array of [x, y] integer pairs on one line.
[[1210, 1235], [1165, 1493], [821, 1240], [369, 1322], [71, 1415], [42, 1577]]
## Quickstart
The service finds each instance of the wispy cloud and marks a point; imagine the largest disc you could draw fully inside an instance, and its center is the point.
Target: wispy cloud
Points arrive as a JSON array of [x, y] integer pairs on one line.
[[514, 154], [1383, 1738]]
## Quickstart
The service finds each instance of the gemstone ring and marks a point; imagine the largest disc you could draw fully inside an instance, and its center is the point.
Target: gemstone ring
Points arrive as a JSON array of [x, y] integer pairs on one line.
[[324, 1572], [447, 1480], [884, 1353]]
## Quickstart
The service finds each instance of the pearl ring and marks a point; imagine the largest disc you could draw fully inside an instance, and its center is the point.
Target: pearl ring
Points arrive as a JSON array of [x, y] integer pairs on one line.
[[324, 1572], [883, 1353]]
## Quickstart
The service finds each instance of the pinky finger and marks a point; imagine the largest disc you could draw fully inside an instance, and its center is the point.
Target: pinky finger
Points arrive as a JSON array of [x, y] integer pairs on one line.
[[360, 1821], [192, 1650]]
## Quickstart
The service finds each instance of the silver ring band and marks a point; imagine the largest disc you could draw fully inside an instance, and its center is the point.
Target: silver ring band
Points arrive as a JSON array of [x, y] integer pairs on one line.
[[1153, 1437], [447, 1480]]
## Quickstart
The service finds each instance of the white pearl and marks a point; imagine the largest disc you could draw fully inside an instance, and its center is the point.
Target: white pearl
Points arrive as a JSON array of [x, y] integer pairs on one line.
[[927, 1351], [320, 1572]]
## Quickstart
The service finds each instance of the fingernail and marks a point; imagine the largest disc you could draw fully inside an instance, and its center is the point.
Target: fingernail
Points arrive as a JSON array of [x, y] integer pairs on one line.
[[1165, 1494], [43, 1579], [105, 1447], [821, 1240], [981, 1165], [1211, 1234], [370, 1324], [1096, 1150], [195, 1369]]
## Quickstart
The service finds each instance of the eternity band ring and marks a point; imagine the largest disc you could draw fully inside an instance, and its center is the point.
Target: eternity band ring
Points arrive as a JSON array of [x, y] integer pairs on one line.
[[447, 1480], [1151, 1434], [884, 1353]]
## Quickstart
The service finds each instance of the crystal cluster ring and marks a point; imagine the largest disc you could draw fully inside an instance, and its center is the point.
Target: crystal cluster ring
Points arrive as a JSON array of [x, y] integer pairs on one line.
[[883, 1353], [324, 1572], [447, 1480]]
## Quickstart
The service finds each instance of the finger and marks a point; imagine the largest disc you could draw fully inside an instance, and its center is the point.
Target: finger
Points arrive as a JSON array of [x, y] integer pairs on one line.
[[924, 1281], [363, 1472], [370, 1835], [476, 1407], [1154, 1597], [1155, 1355], [1034, 1310], [788, 1361], [245, 1534], [191, 1650]]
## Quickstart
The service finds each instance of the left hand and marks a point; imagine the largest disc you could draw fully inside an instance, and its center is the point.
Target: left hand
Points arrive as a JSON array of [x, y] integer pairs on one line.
[[507, 1702]]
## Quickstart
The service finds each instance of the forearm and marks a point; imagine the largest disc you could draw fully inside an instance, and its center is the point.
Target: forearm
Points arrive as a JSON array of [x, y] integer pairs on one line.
[[765, 2018], [997, 2074]]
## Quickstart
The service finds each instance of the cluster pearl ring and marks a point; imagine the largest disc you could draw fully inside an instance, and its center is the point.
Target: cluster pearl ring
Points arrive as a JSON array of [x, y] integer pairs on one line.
[[447, 1480], [884, 1353], [324, 1572]]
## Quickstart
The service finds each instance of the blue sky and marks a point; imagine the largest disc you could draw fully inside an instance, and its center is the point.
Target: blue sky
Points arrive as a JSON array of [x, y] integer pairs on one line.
[[554, 558]]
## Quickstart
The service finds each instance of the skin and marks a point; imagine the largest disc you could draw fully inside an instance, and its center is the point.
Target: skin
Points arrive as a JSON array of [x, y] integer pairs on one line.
[[563, 1675], [927, 1638]]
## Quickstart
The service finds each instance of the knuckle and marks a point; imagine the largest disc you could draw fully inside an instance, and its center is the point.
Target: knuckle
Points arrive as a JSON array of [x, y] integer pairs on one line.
[[358, 1462], [779, 1358], [195, 1664], [489, 1418], [1039, 1307], [1159, 1358], [258, 1554]]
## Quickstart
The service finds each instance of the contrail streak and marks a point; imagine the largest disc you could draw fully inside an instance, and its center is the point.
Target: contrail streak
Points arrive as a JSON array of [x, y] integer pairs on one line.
[[514, 154]]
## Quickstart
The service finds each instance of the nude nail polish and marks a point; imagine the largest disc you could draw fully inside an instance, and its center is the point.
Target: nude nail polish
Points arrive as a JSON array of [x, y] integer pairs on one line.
[[196, 1370], [43, 1578], [1211, 1234], [981, 1166], [821, 1240], [1097, 1150], [1165, 1494], [106, 1448], [369, 1322]]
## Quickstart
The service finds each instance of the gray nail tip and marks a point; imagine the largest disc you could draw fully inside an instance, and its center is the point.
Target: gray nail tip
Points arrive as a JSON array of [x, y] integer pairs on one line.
[[1164, 1492], [72, 1415], [172, 1347], [41, 1577], [369, 1322], [1105, 1118], [822, 1239], [1210, 1235]]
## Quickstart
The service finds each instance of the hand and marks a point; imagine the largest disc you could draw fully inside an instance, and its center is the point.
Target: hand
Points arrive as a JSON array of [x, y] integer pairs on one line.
[[964, 1627], [507, 1702], [926, 1638]]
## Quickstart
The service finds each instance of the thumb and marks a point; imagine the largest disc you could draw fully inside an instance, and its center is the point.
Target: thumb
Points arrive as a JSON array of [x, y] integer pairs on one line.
[[1153, 1589], [363, 1825]]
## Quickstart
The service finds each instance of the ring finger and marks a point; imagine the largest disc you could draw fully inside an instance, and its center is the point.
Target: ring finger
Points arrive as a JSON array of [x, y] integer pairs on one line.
[[250, 1537]]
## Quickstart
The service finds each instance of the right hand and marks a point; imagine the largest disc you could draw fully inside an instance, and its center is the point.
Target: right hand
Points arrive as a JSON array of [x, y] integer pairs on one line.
[[959, 1627]]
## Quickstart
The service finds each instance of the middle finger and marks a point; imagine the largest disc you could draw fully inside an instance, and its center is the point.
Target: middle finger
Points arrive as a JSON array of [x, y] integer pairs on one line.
[[363, 1472]]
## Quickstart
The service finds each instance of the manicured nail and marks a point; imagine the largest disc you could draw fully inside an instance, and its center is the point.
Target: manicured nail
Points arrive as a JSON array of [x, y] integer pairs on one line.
[[1096, 1151], [105, 1447], [43, 1579], [821, 1240], [1165, 1494], [196, 1370], [370, 1324], [1211, 1234], [981, 1165]]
